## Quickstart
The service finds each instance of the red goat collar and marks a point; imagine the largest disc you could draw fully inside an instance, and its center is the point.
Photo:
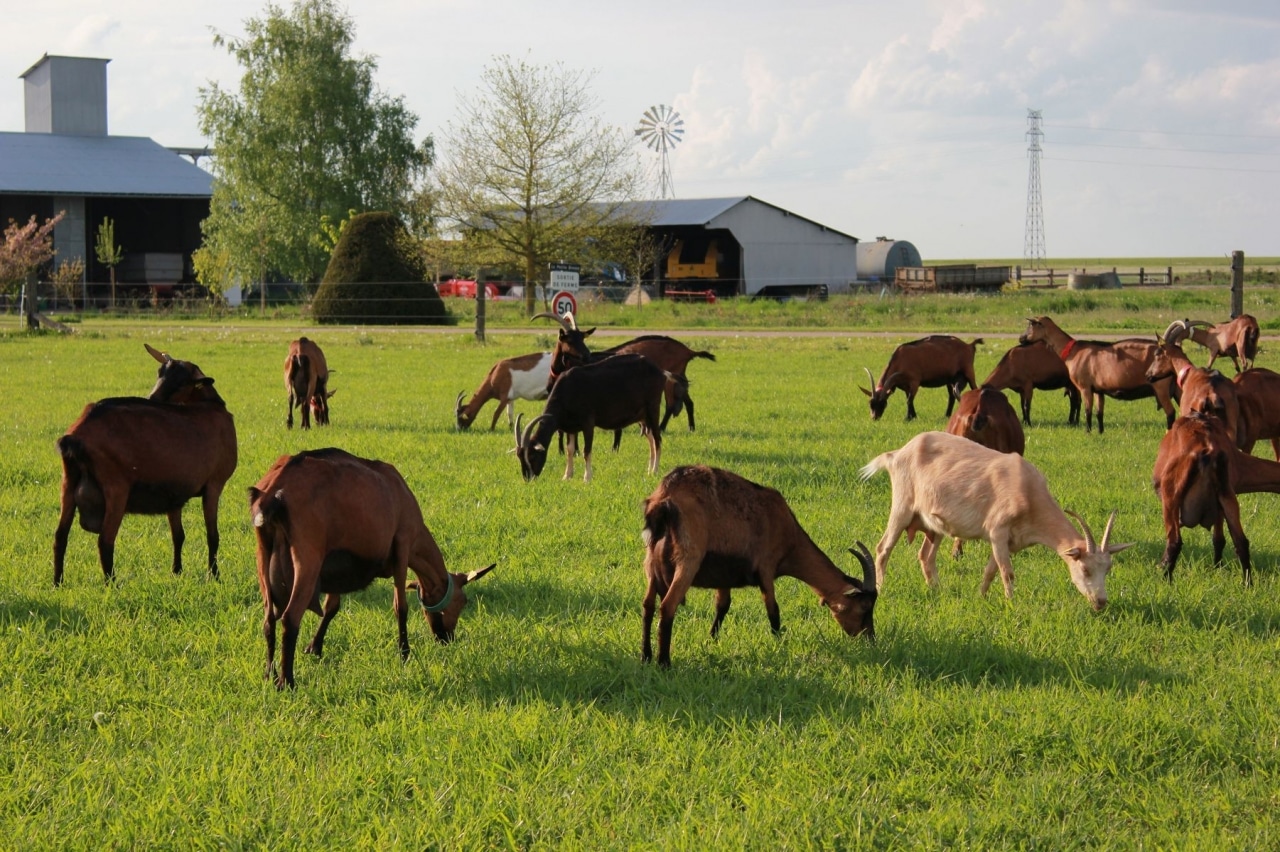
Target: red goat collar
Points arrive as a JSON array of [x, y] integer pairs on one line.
[[1067, 350], [1182, 374]]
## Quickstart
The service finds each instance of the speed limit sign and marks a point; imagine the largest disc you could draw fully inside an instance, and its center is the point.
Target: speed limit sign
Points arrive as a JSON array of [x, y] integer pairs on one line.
[[563, 303]]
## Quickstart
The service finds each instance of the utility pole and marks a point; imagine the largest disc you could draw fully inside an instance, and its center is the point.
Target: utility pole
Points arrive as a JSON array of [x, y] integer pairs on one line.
[[1033, 254]]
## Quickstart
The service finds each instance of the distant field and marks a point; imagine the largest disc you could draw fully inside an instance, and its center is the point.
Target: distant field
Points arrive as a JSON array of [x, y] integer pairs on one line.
[[136, 716]]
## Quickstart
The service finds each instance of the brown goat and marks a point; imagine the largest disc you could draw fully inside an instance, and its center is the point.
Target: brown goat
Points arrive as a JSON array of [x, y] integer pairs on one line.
[[328, 522], [1117, 369], [1030, 367], [522, 377], [1198, 474], [1237, 339], [669, 354], [712, 529], [135, 456], [1258, 390], [1202, 390], [985, 417], [306, 378], [937, 361]]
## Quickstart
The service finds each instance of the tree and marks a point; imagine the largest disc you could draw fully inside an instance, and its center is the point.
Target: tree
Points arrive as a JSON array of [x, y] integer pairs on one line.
[[24, 248], [529, 170], [375, 277], [307, 135], [108, 253]]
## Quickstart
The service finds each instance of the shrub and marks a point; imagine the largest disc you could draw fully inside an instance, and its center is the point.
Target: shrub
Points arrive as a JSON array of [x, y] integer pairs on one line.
[[373, 278]]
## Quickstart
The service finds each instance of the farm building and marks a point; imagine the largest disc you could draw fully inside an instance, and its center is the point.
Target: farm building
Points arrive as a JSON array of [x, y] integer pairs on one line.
[[66, 161], [745, 246]]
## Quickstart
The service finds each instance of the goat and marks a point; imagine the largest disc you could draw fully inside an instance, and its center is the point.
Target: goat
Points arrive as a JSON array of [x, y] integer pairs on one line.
[[947, 485], [1236, 339], [330, 523], [936, 361], [667, 353], [712, 529], [135, 456], [1029, 367], [1202, 390], [986, 417], [522, 377], [1258, 390], [609, 394], [306, 378], [1117, 369]]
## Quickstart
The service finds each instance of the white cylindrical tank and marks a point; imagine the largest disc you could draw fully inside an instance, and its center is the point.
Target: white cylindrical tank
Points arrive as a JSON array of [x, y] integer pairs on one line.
[[880, 260]]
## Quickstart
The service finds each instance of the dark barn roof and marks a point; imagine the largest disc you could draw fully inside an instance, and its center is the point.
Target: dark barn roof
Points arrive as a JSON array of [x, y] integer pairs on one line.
[[57, 164]]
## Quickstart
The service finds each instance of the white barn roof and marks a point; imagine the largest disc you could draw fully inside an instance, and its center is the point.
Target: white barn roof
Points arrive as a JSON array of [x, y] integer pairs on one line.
[[57, 164]]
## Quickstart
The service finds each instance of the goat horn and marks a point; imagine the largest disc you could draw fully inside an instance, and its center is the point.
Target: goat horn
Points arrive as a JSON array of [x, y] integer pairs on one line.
[[457, 406], [1106, 533], [1090, 544], [863, 555], [545, 315], [463, 579], [162, 357], [519, 417], [870, 377], [573, 323], [528, 430], [1176, 331]]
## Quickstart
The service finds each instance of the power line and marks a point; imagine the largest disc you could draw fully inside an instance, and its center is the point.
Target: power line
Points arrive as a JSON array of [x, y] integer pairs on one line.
[[1150, 130], [1166, 166]]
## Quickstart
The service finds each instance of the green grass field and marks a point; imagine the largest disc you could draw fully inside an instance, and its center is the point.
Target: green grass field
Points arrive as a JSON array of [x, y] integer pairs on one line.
[[136, 715]]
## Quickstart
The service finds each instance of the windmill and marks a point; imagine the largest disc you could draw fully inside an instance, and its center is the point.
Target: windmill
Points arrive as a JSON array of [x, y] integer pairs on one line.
[[661, 128]]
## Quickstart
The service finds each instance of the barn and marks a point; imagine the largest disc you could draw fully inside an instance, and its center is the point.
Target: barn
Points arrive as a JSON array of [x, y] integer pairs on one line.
[[745, 246], [66, 161]]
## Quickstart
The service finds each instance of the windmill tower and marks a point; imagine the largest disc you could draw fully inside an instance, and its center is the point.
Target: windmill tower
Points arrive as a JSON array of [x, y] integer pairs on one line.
[[661, 128], [1033, 235]]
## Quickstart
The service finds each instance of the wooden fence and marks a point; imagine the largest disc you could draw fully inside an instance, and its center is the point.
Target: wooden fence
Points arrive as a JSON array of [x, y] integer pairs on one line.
[[1141, 277]]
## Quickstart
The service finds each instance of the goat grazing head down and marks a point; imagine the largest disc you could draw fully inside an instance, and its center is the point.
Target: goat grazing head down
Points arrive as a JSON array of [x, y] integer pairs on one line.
[[531, 450], [936, 361]]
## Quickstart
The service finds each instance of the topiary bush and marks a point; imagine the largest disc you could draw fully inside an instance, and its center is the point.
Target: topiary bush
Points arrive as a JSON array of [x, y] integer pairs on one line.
[[373, 278]]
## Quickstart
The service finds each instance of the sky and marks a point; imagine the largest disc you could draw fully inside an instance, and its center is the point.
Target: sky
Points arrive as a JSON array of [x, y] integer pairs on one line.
[[908, 120]]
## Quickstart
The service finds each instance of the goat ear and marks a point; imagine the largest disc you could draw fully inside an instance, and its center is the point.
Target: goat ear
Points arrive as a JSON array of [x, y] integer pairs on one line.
[[588, 332], [474, 575], [1073, 552], [864, 390], [539, 448], [162, 357], [1116, 548]]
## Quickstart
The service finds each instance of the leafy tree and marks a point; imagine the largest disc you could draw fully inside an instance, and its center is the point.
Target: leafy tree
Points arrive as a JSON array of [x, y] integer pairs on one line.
[[307, 135], [108, 253], [528, 171], [67, 279], [24, 248], [375, 277]]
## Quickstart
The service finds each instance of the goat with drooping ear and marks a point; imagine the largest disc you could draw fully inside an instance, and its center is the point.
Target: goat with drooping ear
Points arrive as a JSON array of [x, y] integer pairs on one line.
[[709, 528], [947, 485], [522, 377]]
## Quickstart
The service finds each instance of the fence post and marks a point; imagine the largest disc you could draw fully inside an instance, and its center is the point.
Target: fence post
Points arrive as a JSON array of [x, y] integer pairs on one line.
[[1142, 275], [1237, 283], [479, 310], [1168, 275]]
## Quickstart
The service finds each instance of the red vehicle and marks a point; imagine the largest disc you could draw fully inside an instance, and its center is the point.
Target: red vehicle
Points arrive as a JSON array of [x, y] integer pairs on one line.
[[463, 288]]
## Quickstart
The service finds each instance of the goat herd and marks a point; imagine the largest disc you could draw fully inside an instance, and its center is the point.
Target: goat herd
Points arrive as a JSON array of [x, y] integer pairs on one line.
[[703, 527]]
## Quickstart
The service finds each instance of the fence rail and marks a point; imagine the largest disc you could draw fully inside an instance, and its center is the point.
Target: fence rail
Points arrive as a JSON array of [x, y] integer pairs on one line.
[[1141, 277]]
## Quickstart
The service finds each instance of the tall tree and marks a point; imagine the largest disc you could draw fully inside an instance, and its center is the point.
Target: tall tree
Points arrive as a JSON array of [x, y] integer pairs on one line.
[[530, 171], [307, 135]]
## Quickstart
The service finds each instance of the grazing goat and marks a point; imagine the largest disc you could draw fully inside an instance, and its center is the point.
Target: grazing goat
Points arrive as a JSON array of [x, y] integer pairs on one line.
[[1030, 367], [930, 362], [1117, 369], [306, 378], [609, 394], [947, 485], [1202, 390], [1198, 474], [522, 377], [986, 417], [1258, 390], [712, 529], [667, 353], [1237, 339], [135, 456], [330, 523]]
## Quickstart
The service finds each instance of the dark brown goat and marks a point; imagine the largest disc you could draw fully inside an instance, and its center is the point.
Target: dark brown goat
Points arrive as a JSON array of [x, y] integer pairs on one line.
[[610, 394], [937, 361], [522, 377], [330, 523], [306, 378], [1198, 475], [667, 353], [135, 456], [986, 417], [712, 529], [1117, 369], [1030, 367], [1236, 339]]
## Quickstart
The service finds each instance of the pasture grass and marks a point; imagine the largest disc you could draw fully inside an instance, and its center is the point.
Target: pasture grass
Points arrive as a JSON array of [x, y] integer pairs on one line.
[[136, 715]]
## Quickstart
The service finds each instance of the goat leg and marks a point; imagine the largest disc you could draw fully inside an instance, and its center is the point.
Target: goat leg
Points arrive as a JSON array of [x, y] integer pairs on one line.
[[179, 536], [209, 503], [724, 597], [332, 603], [63, 531]]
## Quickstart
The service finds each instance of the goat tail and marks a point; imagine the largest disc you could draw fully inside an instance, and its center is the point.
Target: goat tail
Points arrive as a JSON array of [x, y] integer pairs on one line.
[[661, 519], [877, 464], [704, 354], [270, 508], [72, 450], [977, 341]]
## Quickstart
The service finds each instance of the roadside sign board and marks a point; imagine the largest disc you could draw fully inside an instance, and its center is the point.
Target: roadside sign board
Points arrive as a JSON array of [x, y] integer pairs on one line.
[[564, 277], [563, 302]]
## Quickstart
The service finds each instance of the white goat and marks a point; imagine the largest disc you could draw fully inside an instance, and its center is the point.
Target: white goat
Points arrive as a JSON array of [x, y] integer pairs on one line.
[[945, 485]]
